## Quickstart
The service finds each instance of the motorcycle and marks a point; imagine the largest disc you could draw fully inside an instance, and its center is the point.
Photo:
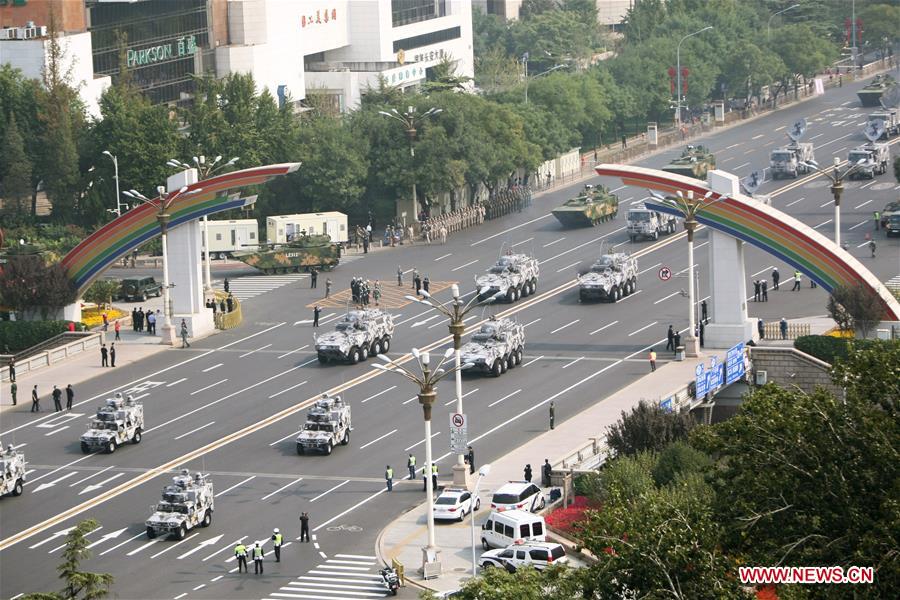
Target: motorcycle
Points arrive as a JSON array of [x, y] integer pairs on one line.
[[390, 579]]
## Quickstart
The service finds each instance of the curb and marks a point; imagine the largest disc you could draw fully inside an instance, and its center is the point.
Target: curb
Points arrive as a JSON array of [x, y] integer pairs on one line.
[[379, 552]]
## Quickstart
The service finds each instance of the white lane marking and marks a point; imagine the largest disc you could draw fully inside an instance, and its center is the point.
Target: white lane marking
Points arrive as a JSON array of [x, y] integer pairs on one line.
[[139, 548], [858, 206], [863, 244], [208, 369], [180, 596], [780, 128], [239, 484], [109, 536], [667, 297], [733, 146], [410, 400], [597, 239], [533, 360], [17, 446], [835, 140], [363, 556], [567, 365], [422, 441], [505, 231], [288, 389], [96, 486], [827, 203], [44, 486], [366, 445], [649, 268], [795, 202], [120, 544], [862, 187], [452, 400], [200, 587], [839, 150], [175, 545], [604, 327], [352, 508], [822, 223], [816, 136], [85, 535], [90, 476], [725, 160], [630, 297], [58, 469], [756, 137], [56, 430], [568, 267], [282, 488], [621, 187], [228, 547], [431, 318], [471, 262], [195, 430], [443, 257], [258, 349], [216, 578], [177, 381], [643, 328], [520, 243], [555, 241], [495, 402], [861, 223], [203, 389], [763, 270], [378, 394], [295, 350], [701, 245], [290, 435], [532, 322], [742, 166], [329, 490], [564, 326], [407, 320]]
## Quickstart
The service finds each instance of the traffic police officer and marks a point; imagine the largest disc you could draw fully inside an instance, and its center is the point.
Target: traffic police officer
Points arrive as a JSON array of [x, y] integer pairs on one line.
[[258, 554], [411, 465], [277, 538], [240, 552], [389, 478]]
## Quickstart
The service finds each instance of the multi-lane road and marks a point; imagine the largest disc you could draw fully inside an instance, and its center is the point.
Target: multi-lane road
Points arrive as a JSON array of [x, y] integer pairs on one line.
[[231, 405]]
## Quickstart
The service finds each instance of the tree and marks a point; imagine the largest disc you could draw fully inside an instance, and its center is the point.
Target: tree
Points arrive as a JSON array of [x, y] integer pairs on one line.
[[804, 53], [495, 71], [647, 427], [839, 314], [881, 29], [554, 583], [533, 8], [28, 285], [102, 291], [15, 171], [552, 37], [78, 584], [881, 357], [444, 78], [863, 305]]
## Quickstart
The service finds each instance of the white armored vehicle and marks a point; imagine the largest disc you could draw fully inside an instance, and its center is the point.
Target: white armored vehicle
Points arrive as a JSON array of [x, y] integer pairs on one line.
[[646, 223], [186, 504], [887, 121], [117, 422], [514, 276], [792, 160], [360, 334], [612, 277], [327, 425], [872, 159], [497, 347], [12, 476]]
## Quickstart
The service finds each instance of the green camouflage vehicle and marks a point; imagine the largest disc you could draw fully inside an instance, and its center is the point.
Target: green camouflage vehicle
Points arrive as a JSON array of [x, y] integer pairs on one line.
[[694, 162], [595, 204], [871, 94], [301, 254]]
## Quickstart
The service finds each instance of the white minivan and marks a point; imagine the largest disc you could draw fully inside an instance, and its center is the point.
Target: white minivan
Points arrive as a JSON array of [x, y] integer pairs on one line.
[[503, 528]]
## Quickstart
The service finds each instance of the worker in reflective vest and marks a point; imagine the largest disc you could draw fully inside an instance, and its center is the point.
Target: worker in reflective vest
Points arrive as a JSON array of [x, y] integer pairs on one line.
[[240, 552], [389, 478], [277, 538], [258, 554]]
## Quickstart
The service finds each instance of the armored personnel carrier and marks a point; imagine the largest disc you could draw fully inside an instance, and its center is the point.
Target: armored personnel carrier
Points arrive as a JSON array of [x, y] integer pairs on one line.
[[695, 161], [116, 422], [514, 276], [186, 504], [497, 347], [12, 472], [359, 335], [593, 205], [612, 277], [871, 94], [327, 425], [303, 253], [646, 223]]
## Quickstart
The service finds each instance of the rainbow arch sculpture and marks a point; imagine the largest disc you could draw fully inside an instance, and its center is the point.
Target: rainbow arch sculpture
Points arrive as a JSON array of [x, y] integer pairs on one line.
[[101, 249], [767, 228]]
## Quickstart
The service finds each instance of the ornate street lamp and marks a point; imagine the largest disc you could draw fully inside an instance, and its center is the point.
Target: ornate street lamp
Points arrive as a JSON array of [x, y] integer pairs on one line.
[[678, 73], [837, 186]]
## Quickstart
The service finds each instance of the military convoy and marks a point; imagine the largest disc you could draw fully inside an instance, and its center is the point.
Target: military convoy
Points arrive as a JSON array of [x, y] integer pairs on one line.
[[186, 504], [870, 160], [118, 421], [650, 224], [12, 472], [791, 160], [612, 277], [497, 347], [327, 425], [695, 161], [888, 121], [514, 276], [360, 334], [595, 204], [871, 94], [302, 253]]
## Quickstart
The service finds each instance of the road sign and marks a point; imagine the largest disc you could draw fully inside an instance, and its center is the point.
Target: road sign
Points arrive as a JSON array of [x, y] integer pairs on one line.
[[458, 433], [734, 364], [665, 273]]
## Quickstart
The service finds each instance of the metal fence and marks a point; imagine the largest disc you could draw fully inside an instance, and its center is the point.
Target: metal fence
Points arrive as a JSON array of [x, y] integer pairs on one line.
[[794, 330]]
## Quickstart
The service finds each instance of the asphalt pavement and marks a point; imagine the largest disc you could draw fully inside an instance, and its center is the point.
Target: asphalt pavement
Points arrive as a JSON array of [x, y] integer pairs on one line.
[[232, 404]]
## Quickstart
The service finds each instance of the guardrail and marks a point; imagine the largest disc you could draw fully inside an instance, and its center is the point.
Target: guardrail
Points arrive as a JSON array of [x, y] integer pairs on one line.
[[45, 358], [228, 320], [794, 330]]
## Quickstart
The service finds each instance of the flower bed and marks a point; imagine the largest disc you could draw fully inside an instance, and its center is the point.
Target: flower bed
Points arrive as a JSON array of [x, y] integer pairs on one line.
[[565, 520], [93, 317]]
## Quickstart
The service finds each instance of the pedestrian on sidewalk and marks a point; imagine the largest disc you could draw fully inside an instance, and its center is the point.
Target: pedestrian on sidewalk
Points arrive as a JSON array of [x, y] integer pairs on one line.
[[411, 465], [258, 554], [783, 327], [304, 527], [704, 315], [761, 329], [70, 396], [677, 342], [104, 356], [670, 339], [652, 360], [313, 278], [277, 540], [389, 478], [775, 277], [12, 370], [117, 327], [227, 286], [35, 400], [546, 472], [105, 321], [316, 312], [240, 553], [470, 458], [399, 275], [552, 415], [328, 287], [184, 335], [528, 473], [13, 391], [796, 287], [57, 399], [765, 290], [140, 319], [624, 142], [112, 354], [134, 320], [151, 323]]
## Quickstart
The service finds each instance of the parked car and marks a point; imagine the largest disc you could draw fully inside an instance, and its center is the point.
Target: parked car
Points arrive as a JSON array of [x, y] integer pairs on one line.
[[539, 555], [503, 528], [454, 504], [518, 495], [139, 289]]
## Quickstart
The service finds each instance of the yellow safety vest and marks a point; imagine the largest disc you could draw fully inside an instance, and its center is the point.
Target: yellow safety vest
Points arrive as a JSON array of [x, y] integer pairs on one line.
[[389, 474], [412, 461], [240, 550], [278, 539], [434, 469], [257, 553]]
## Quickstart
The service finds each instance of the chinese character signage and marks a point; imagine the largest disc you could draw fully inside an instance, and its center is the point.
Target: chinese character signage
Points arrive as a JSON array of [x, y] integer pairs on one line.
[[430, 55], [183, 46], [708, 379], [319, 17], [734, 364]]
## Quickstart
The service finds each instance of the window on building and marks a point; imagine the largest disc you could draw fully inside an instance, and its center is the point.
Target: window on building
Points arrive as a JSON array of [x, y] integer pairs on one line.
[[218, 237], [427, 39], [404, 12]]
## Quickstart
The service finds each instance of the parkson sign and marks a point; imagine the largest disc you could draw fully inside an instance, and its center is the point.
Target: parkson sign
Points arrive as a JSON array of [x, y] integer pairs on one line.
[[183, 46]]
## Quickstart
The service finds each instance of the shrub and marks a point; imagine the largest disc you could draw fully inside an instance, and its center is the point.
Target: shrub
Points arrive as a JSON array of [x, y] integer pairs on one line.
[[647, 427], [16, 336], [830, 349]]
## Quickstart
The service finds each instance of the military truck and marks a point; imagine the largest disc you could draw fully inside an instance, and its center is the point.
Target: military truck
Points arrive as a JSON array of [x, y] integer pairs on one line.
[[186, 504], [791, 160], [695, 161], [871, 94], [646, 223], [12, 472], [595, 204], [360, 334], [612, 277], [497, 347], [327, 425], [514, 276], [889, 120], [118, 421], [875, 157], [303, 253]]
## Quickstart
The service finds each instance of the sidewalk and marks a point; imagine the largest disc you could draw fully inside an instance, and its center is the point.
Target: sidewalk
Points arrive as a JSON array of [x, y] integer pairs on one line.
[[404, 538]]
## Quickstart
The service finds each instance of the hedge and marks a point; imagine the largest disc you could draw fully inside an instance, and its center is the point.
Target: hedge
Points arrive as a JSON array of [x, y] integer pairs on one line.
[[16, 336], [830, 349]]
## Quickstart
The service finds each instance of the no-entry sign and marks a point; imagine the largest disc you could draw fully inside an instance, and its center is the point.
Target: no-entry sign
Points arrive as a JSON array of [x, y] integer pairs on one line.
[[665, 273]]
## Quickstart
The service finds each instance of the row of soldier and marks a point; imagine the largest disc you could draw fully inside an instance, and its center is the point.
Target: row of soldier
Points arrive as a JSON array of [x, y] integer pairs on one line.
[[505, 201], [361, 291], [437, 228]]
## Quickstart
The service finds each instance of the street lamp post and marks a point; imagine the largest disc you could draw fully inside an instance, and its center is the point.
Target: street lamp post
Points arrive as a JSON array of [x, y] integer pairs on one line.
[[678, 73], [457, 312], [427, 396], [525, 65], [410, 121], [115, 161], [769, 24], [482, 473], [837, 187]]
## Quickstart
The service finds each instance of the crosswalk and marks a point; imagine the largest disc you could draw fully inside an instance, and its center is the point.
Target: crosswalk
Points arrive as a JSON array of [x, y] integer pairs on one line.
[[893, 283], [343, 577], [244, 288]]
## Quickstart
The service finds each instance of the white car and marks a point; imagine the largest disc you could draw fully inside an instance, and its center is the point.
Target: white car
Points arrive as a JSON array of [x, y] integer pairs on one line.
[[454, 504], [518, 495], [539, 555]]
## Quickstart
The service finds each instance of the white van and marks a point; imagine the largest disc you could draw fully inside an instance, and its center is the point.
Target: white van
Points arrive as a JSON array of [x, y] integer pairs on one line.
[[503, 528]]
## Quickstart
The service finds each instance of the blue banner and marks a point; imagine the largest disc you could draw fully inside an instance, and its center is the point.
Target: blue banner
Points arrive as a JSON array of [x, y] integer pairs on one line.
[[734, 364]]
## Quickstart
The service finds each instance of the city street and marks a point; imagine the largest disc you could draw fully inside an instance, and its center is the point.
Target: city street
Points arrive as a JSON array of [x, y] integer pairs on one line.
[[232, 404]]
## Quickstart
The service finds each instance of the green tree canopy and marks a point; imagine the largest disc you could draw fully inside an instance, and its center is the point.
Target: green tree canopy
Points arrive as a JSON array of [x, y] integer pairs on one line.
[[77, 584], [647, 427]]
